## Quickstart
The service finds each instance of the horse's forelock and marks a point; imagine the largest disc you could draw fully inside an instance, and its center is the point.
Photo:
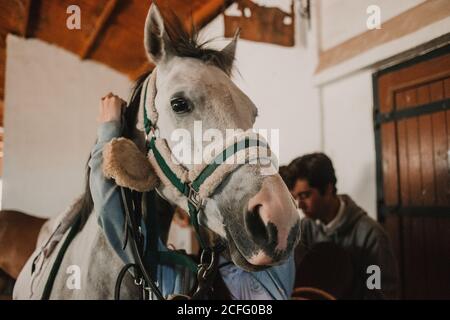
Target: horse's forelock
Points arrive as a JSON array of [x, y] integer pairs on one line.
[[185, 44]]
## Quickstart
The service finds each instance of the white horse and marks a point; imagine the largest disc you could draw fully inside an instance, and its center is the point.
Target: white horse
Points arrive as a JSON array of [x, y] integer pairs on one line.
[[241, 204]]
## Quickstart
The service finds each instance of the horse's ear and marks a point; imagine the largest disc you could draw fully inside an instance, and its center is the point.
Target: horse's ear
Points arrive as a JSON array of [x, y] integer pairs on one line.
[[128, 166], [229, 51], [156, 40]]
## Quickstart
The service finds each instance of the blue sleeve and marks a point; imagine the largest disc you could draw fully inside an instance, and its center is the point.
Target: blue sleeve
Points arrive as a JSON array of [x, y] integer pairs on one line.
[[274, 283], [106, 194], [107, 205]]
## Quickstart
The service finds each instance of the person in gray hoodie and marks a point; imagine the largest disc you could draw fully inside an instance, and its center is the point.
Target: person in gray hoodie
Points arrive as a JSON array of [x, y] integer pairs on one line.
[[338, 219]]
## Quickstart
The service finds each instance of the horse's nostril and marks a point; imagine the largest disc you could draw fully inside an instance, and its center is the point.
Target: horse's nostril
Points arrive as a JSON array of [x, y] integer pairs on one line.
[[256, 227]]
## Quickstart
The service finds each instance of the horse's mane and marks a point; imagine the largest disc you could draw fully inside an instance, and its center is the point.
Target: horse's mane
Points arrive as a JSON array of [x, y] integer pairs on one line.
[[183, 44]]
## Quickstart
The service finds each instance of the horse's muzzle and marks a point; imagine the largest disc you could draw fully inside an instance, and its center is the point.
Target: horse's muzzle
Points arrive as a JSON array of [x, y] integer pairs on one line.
[[272, 220]]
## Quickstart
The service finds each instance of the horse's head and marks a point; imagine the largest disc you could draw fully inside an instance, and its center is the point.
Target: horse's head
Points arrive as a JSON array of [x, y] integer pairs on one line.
[[246, 206]]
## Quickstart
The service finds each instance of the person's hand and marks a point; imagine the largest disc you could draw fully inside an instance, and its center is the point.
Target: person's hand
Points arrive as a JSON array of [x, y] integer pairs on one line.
[[110, 108]]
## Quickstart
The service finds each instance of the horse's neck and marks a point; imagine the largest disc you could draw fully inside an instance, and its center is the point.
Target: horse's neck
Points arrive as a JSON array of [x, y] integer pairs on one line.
[[95, 254], [103, 265], [98, 263]]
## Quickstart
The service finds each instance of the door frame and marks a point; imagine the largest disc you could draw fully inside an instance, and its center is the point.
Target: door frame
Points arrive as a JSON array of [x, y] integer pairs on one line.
[[379, 118]]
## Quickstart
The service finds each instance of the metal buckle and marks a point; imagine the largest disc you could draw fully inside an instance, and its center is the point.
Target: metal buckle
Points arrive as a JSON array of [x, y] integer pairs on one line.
[[194, 198], [149, 290], [205, 270], [207, 260], [138, 283], [154, 131]]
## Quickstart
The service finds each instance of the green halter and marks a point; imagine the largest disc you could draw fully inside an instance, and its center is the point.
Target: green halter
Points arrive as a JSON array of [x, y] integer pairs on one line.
[[191, 189]]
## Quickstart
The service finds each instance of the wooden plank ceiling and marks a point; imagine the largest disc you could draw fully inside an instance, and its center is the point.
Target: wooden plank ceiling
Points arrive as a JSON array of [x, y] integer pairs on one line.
[[111, 30]]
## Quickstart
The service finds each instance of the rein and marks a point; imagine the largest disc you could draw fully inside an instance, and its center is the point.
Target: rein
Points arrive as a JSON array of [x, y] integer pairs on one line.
[[206, 270]]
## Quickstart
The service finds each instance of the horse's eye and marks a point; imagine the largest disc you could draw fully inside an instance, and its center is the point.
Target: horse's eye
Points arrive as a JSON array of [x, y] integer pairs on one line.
[[180, 105]]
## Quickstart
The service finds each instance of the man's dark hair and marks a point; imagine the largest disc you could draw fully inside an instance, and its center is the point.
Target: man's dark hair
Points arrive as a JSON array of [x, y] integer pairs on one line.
[[316, 168], [287, 177]]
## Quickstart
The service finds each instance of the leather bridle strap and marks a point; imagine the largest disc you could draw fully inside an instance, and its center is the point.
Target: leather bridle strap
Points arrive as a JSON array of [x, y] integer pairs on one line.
[[191, 190], [142, 276], [137, 248]]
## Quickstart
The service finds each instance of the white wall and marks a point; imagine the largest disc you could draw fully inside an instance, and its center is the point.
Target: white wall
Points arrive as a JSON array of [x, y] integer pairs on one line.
[[349, 137], [347, 92], [50, 109], [279, 80], [344, 19]]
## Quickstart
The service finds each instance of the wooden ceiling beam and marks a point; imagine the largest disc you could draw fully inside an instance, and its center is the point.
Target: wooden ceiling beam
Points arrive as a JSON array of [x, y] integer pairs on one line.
[[208, 11], [99, 25], [30, 17], [145, 67], [2, 112], [26, 18]]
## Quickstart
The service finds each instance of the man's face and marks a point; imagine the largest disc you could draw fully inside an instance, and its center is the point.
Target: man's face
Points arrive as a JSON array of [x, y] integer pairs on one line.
[[309, 199]]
